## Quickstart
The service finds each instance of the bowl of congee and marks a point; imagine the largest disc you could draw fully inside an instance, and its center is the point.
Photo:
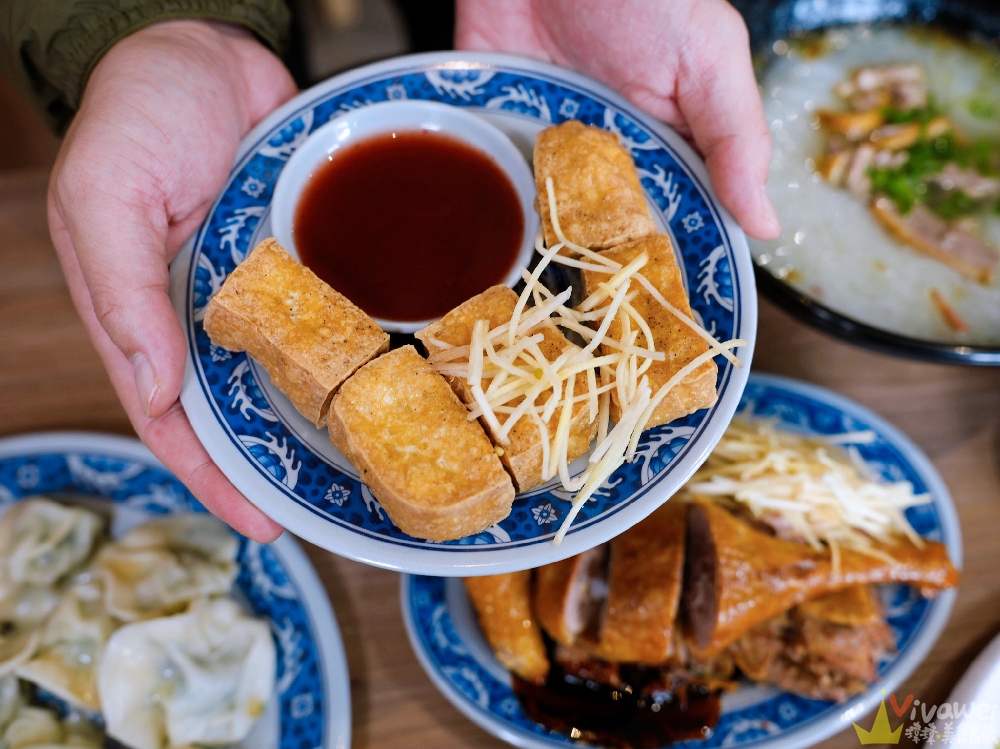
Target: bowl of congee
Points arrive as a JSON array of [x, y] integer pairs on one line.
[[885, 172]]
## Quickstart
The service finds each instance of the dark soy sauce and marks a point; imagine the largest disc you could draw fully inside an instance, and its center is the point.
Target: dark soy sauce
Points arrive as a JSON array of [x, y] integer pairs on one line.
[[627, 717], [409, 225]]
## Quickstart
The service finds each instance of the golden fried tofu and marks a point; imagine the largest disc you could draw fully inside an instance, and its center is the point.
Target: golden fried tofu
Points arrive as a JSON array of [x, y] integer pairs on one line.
[[598, 193], [307, 336], [523, 455], [570, 594], [670, 335], [645, 572], [496, 304], [503, 607], [434, 471]]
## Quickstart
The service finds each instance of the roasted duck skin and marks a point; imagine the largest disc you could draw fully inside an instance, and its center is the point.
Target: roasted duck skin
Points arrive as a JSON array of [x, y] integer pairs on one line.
[[644, 589], [737, 576], [855, 605], [503, 607]]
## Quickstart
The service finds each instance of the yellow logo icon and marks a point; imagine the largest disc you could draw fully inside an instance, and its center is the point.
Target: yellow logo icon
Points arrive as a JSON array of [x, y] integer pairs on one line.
[[881, 732]]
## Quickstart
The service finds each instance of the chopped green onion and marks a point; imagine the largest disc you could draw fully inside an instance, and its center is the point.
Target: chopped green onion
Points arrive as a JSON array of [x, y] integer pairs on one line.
[[981, 108]]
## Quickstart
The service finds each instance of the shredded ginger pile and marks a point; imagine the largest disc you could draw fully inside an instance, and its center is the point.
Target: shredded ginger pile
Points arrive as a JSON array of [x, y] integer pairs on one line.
[[807, 489], [511, 379]]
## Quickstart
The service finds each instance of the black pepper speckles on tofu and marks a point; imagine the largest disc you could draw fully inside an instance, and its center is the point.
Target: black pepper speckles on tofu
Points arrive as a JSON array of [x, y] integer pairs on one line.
[[433, 470]]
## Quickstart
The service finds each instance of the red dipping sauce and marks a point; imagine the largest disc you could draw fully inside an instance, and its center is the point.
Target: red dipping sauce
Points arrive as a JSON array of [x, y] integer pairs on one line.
[[409, 225]]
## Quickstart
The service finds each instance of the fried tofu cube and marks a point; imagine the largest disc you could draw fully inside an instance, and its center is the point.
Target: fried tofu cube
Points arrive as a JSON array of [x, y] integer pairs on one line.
[[307, 336], [434, 471], [523, 455], [503, 607], [670, 335], [599, 197]]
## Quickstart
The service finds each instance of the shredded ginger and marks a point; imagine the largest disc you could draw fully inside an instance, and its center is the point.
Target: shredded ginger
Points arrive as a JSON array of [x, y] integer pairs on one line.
[[510, 378], [807, 489]]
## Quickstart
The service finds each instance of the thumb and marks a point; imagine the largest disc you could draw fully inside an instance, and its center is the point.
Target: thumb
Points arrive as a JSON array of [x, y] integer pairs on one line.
[[119, 236], [718, 96]]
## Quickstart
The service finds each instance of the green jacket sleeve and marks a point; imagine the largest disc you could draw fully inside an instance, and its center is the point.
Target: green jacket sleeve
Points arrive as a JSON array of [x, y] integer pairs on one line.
[[49, 47]]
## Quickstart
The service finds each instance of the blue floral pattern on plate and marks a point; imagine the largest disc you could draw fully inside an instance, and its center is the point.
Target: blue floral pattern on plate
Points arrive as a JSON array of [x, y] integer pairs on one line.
[[126, 474], [501, 87], [477, 685]]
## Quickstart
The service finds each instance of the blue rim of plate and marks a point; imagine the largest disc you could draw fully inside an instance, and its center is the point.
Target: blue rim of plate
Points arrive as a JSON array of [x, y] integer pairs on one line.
[[447, 643], [276, 580], [286, 467]]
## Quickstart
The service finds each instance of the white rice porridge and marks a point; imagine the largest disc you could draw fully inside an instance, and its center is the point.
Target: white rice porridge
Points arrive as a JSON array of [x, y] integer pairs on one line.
[[831, 247]]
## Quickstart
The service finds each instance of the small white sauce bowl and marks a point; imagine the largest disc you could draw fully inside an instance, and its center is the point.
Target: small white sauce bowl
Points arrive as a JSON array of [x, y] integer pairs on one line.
[[403, 116]]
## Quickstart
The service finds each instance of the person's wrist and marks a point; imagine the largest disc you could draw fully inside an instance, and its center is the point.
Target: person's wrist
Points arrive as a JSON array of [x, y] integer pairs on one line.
[[225, 52], [198, 30], [213, 37]]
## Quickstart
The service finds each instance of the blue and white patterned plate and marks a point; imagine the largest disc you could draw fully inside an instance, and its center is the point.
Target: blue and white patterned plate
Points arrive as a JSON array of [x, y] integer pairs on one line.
[[444, 634], [289, 468], [311, 708]]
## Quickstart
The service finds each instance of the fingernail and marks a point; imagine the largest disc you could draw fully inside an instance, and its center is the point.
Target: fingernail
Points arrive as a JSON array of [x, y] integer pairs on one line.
[[768, 213], [145, 382]]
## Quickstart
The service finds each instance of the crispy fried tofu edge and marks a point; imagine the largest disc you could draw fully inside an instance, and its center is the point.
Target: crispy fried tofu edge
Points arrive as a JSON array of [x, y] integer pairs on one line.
[[472, 515]]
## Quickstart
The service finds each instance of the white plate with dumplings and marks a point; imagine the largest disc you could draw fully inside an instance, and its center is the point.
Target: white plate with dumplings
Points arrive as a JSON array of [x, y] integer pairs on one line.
[[127, 611]]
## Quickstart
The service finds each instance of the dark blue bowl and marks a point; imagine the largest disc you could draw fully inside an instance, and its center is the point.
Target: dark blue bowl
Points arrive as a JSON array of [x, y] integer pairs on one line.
[[770, 20]]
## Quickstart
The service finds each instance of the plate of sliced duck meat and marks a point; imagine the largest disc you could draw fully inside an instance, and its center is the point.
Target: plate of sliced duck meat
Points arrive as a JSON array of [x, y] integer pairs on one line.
[[800, 575]]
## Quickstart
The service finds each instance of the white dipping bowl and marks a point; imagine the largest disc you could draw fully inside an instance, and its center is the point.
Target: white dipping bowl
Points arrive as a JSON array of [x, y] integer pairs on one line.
[[403, 116]]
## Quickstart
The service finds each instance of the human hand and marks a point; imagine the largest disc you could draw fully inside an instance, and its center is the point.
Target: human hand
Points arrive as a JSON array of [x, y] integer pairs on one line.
[[145, 157], [686, 62]]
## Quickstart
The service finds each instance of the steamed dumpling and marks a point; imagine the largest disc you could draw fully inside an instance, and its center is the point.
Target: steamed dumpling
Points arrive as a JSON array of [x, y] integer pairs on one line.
[[198, 678], [70, 647], [38, 728], [42, 541], [78, 734], [30, 604], [34, 727], [22, 612], [160, 567], [10, 701], [25, 727], [18, 643]]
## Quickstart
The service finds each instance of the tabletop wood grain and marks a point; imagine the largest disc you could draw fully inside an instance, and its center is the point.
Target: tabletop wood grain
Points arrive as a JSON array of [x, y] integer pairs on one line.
[[50, 378]]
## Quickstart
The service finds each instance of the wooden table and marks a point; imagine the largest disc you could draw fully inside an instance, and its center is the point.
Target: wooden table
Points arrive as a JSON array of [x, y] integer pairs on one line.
[[50, 378]]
